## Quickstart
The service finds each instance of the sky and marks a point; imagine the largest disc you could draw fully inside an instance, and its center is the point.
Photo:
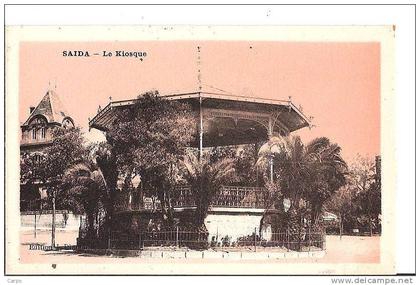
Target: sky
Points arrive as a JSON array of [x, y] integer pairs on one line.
[[336, 83]]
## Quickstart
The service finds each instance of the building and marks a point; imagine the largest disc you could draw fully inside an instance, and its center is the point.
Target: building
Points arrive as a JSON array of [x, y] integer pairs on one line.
[[222, 119], [36, 136]]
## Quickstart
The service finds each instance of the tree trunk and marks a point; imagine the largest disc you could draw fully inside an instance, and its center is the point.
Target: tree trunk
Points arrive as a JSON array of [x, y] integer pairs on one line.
[[166, 206], [90, 217], [169, 211], [107, 227], [313, 214], [294, 228], [53, 221], [35, 226], [110, 174]]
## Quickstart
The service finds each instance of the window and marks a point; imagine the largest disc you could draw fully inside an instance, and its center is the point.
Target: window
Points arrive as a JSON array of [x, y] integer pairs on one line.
[[37, 158], [43, 133], [34, 134], [67, 123]]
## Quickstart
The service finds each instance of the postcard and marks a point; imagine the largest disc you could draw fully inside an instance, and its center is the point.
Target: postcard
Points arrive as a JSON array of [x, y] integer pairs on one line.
[[200, 150]]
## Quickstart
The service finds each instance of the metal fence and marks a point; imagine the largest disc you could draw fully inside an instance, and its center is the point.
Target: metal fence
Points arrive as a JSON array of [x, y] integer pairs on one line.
[[158, 239], [310, 241], [35, 205], [40, 206]]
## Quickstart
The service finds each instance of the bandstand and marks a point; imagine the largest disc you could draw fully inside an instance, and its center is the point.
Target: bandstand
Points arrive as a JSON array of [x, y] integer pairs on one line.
[[222, 120]]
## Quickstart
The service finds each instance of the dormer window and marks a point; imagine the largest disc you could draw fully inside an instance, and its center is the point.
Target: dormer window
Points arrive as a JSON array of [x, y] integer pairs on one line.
[[43, 133], [68, 123], [34, 134], [38, 121]]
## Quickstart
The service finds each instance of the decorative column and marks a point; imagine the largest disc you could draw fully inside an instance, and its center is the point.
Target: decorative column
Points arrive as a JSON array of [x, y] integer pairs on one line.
[[201, 128], [199, 95]]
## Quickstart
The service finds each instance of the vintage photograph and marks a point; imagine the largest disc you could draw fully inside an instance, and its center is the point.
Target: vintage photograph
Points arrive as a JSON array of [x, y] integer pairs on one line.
[[145, 152]]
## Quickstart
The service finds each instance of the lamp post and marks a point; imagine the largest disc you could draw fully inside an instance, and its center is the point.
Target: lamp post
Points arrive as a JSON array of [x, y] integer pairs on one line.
[[273, 150], [268, 150]]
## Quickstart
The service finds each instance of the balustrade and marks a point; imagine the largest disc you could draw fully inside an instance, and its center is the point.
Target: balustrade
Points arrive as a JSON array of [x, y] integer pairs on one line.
[[226, 197]]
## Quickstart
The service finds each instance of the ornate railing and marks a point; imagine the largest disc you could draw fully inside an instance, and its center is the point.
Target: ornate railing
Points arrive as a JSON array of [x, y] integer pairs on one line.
[[226, 197], [124, 204], [239, 197], [183, 198]]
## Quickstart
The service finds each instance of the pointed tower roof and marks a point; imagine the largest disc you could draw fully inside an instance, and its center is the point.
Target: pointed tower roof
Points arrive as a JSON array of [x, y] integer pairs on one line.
[[51, 108]]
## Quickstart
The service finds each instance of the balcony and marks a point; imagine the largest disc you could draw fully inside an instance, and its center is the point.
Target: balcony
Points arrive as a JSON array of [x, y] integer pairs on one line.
[[227, 197]]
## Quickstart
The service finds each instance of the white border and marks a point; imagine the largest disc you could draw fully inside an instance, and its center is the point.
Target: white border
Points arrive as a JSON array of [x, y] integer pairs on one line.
[[401, 16]]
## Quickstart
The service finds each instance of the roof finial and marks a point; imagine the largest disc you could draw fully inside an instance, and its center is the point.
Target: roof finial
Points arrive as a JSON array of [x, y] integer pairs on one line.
[[110, 98], [199, 68], [311, 125]]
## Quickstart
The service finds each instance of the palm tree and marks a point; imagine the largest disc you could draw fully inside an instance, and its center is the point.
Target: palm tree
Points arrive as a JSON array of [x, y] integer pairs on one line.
[[205, 179], [85, 192], [329, 172], [307, 175]]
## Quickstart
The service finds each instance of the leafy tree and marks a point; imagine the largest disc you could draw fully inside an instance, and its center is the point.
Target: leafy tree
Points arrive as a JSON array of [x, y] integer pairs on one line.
[[342, 203], [148, 139], [66, 149], [244, 158], [247, 171], [221, 152], [358, 203], [364, 177]]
